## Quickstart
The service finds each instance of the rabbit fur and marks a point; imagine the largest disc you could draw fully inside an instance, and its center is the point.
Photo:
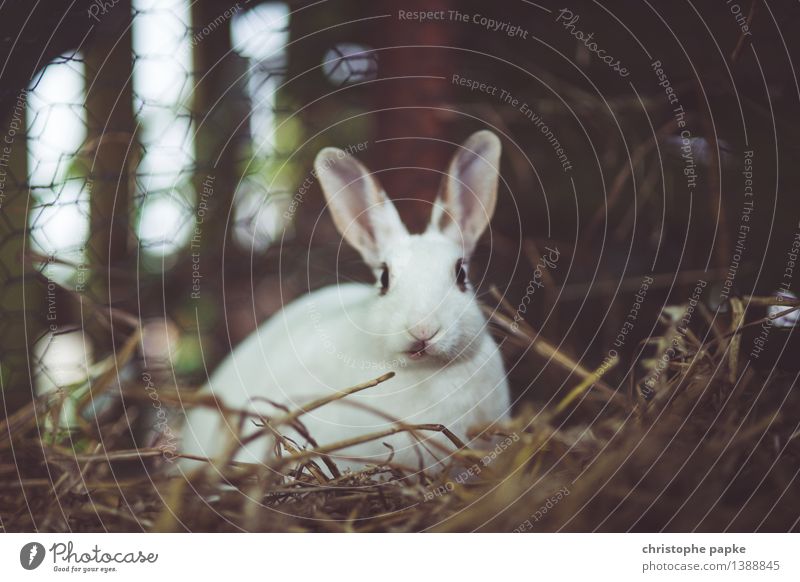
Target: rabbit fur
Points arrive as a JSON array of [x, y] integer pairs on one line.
[[420, 320]]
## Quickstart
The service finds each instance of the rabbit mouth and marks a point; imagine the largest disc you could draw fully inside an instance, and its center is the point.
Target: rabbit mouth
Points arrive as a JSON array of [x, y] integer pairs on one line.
[[418, 350], [422, 350], [417, 354]]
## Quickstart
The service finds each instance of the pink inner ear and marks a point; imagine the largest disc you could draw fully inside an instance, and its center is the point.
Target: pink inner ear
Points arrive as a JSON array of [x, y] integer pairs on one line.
[[357, 196], [461, 201], [470, 190], [356, 207]]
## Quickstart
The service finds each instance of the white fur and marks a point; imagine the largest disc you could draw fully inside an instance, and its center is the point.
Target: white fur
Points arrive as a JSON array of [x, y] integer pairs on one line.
[[343, 335]]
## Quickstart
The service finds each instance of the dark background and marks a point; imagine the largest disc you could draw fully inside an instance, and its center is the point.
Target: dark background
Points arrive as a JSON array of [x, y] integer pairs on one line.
[[623, 211]]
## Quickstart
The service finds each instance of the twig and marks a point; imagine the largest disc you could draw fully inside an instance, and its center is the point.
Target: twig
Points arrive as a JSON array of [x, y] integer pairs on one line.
[[742, 37], [314, 404]]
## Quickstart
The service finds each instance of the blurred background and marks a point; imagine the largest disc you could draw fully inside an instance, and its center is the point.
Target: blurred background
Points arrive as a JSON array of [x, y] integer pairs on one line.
[[156, 168]]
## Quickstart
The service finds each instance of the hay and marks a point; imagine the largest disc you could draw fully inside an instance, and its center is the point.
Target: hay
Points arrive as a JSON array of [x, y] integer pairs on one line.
[[710, 445]]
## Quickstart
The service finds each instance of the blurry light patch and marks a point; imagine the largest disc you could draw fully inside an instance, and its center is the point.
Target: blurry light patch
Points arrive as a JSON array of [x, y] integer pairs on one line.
[[260, 35], [56, 118], [162, 84], [163, 57], [161, 28], [63, 363], [60, 230], [168, 157], [700, 148], [261, 32], [166, 82], [260, 217], [346, 63], [164, 226], [160, 341]]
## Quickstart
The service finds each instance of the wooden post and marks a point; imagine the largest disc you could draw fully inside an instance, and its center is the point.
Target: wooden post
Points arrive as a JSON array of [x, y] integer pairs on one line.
[[410, 105], [21, 290], [219, 110], [111, 155]]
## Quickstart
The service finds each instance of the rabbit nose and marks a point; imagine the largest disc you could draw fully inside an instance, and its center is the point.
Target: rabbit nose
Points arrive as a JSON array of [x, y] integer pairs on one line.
[[423, 333]]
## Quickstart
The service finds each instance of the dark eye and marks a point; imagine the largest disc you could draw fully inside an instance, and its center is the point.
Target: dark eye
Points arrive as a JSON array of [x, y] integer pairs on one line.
[[461, 275], [384, 279]]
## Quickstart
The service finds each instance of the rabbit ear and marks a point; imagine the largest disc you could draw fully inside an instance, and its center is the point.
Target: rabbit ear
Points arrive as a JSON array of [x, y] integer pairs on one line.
[[360, 208], [468, 195]]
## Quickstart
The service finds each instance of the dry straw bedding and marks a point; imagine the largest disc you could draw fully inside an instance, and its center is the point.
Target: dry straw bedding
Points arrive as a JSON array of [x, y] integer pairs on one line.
[[715, 447]]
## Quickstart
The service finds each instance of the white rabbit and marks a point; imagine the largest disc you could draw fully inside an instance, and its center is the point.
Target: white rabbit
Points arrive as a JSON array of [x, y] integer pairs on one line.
[[421, 320]]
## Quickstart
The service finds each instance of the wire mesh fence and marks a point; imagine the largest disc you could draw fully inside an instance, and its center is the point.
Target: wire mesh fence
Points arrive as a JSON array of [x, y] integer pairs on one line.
[[114, 152]]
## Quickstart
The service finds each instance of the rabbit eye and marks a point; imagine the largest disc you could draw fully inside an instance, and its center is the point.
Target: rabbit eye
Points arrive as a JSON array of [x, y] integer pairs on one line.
[[461, 275], [384, 279]]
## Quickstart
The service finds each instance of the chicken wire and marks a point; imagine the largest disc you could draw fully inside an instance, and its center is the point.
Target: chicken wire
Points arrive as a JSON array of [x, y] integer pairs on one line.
[[58, 283]]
